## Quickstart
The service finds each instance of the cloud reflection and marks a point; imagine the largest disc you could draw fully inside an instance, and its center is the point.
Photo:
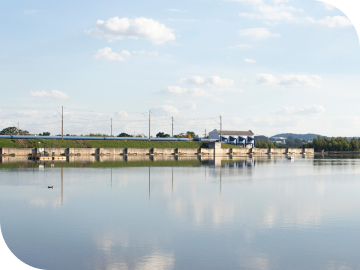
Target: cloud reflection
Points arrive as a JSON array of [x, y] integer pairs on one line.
[[54, 202], [156, 261]]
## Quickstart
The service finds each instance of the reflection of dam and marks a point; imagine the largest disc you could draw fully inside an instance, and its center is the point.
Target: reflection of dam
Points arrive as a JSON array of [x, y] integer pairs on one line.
[[143, 160]]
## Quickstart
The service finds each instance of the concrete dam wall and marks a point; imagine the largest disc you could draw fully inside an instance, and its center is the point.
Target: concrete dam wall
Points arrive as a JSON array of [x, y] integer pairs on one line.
[[216, 150]]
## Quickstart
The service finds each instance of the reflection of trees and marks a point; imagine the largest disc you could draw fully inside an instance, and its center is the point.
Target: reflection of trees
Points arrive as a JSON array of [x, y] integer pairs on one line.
[[338, 161]]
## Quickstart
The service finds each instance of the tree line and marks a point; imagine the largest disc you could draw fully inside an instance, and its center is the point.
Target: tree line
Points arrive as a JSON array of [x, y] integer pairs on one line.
[[319, 144], [188, 134], [334, 144], [291, 142]]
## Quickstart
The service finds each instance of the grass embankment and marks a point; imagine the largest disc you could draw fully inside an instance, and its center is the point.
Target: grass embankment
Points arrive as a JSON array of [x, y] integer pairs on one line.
[[33, 143], [8, 143], [53, 143], [227, 146], [142, 144]]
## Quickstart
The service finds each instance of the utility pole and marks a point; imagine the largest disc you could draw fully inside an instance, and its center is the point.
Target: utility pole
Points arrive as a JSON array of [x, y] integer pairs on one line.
[[149, 126], [18, 129], [172, 126], [205, 134], [220, 129], [111, 127], [62, 122]]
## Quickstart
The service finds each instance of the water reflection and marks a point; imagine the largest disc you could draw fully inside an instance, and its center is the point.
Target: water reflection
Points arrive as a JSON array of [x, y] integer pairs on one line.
[[183, 213], [145, 160]]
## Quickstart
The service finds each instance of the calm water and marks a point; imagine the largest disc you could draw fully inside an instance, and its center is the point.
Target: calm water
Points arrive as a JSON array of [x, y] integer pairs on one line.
[[230, 214]]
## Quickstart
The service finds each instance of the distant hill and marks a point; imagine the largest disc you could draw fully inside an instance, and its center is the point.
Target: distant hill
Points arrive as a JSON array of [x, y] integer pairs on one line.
[[306, 137]]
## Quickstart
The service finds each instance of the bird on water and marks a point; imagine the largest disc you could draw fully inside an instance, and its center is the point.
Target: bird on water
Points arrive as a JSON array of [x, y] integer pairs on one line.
[[50, 186]]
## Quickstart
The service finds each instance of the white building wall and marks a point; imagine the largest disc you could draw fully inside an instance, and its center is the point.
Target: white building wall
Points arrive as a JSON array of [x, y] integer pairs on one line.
[[215, 135]]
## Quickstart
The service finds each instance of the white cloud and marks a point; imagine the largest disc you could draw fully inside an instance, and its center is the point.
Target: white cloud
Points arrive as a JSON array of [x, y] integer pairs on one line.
[[164, 109], [275, 12], [336, 21], [328, 6], [280, 1], [240, 46], [300, 80], [153, 53], [211, 81], [195, 92], [190, 105], [52, 94], [257, 33], [177, 90], [122, 114], [304, 110], [290, 80], [227, 90], [182, 20], [28, 113], [198, 92], [107, 54], [193, 80], [309, 19], [263, 78], [176, 10], [139, 28], [250, 61], [169, 101], [216, 80], [248, 1], [269, 13]]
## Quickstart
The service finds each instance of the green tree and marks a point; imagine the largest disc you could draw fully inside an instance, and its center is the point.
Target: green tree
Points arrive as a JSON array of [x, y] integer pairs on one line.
[[191, 134], [162, 135], [261, 144], [354, 144], [181, 135], [123, 134], [13, 131], [336, 144]]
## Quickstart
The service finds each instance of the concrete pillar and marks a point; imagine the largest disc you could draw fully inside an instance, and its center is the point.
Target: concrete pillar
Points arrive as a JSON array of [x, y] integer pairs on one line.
[[216, 146]]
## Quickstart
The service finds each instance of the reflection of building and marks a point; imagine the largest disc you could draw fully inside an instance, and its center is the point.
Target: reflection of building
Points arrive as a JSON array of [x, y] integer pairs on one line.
[[240, 164], [234, 137]]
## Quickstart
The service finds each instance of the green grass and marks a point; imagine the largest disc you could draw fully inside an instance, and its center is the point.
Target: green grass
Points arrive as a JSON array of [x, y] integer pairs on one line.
[[142, 144], [33, 143], [53, 143], [9, 143], [227, 146]]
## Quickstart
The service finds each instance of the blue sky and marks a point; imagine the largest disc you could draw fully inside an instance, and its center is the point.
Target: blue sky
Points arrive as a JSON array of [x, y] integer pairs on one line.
[[269, 66]]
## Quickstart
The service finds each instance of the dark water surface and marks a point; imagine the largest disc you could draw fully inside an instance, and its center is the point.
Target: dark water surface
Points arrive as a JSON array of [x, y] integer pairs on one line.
[[229, 214]]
